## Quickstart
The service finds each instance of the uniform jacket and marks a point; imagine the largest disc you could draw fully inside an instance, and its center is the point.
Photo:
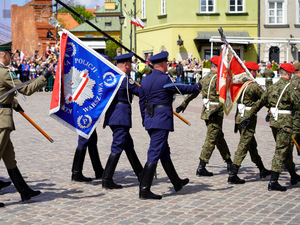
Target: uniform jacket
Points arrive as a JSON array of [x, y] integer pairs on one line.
[[269, 99], [213, 95], [120, 114], [163, 117], [252, 94], [6, 84], [268, 73], [294, 89]]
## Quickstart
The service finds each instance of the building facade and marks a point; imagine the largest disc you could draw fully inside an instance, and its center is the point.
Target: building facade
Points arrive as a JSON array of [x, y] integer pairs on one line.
[[193, 22]]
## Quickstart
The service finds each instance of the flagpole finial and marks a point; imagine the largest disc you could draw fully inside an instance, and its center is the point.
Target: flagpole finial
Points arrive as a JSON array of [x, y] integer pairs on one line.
[[53, 22], [223, 38]]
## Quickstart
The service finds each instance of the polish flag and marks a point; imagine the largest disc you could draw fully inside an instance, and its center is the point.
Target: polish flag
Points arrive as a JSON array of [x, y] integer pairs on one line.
[[22, 55], [134, 22], [140, 23]]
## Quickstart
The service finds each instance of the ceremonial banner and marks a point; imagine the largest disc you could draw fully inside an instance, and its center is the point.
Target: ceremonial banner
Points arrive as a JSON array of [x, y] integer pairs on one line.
[[85, 85], [231, 79]]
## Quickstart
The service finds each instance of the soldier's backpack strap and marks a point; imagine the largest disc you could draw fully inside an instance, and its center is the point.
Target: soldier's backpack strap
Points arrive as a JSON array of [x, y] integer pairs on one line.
[[206, 101], [275, 110], [210, 85], [241, 107]]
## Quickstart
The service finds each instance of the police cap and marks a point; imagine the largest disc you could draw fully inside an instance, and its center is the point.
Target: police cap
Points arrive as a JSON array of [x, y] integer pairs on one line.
[[252, 66], [288, 67], [104, 56], [160, 57], [124, 58], [215, 60], [6, 46]]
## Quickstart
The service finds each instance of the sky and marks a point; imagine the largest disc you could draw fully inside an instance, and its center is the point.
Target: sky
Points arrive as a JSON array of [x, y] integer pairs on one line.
[[87, 3]]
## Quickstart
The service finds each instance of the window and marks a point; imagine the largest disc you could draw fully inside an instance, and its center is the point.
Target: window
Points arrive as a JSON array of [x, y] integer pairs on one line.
[[107, 24], [236, 6], [298, 12], [275, 12], [207, 6], [163, 7], [143, 9]]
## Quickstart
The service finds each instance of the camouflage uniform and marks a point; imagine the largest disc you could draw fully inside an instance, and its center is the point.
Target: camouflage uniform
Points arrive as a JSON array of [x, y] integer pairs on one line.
[[214, 135], [282, 128], [295, 93], [147, 70], [268, 74]]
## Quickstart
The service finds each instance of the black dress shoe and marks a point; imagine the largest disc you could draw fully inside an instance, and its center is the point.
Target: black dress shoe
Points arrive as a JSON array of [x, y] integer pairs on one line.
[[4, 184]]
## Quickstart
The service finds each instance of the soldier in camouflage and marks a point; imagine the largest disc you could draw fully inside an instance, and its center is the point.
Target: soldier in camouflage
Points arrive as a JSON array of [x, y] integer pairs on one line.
[[252, 92], [268, 74], [212, 114], [279, 99], [295, 88]]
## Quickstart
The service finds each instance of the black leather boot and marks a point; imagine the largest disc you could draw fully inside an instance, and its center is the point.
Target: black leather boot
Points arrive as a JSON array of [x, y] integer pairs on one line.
[[107, 178], [173, 176], [295, 178], [229, 163], [202, 171], [135, 164], [274, 185], [146, 182], [1, 204], [20, 184], [78, 165], [4, 184], [233, 177], [263, 172], [95, 159]]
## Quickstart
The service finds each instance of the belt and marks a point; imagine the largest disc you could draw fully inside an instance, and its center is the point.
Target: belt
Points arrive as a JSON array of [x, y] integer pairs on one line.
[[163, 105], [268, 78], [121, 103], [214, 103], [247, 107], [5, 105], [284, 111]]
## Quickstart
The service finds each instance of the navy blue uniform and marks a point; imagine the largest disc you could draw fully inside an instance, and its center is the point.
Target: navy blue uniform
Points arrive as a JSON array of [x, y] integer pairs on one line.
[[161, 123], [118, 116]]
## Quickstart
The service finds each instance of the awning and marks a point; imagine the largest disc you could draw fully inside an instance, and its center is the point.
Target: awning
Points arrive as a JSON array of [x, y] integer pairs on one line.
[[205, 36], [96, 44]]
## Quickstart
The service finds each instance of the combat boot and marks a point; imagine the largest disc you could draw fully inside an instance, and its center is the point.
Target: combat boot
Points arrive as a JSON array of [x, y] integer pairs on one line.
[[229, 164], [1, 204], [295, 178], [173, 176], [20, 184], [233, 177], [4, 184], [95, 159], [78, 165], [146, 182], [135, 164], [263, 172], [202, 171], [274, 185], [107, 179]]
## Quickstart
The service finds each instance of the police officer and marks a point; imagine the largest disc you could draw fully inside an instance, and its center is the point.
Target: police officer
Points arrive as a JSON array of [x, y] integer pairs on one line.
[[279, 100], [268, 74], [157, 115], [91, 145], [9, 80], [251, 93], [295, 91], [118, 117], [212, 114]]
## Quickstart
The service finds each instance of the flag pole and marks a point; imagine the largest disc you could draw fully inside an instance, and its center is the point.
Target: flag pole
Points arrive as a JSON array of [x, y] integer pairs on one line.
[[223, 38]]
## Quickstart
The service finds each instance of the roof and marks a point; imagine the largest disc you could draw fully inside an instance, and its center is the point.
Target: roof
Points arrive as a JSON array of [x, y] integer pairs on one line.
[[102, 9], [206, 35], [67, 21], [100, 23]]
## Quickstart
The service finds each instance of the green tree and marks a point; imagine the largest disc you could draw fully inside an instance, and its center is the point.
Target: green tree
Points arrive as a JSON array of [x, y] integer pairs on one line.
[[111, 50], [80, 9]]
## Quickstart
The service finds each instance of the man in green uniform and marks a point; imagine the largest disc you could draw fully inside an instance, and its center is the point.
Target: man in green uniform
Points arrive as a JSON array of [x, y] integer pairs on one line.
[[268, 74], [212, 114], [252, 92], [147, 70], [295, 91], [278, 99], [9, 80]]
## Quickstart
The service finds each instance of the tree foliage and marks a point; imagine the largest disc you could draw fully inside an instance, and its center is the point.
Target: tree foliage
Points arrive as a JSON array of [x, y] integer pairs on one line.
[[80, 9], [111, 50]]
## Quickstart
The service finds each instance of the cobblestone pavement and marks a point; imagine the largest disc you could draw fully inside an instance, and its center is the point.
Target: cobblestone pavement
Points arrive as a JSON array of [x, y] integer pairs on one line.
[[47, 167]]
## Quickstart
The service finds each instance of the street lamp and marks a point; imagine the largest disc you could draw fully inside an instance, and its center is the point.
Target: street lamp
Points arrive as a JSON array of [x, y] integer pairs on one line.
[[122, 19]]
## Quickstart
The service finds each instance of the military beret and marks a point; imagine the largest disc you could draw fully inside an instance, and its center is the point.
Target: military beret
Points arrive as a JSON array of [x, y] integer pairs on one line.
[[215, 60], [297, 66], [6, 46], [124, 58], [252, 66], [269, 66], [160, 57], [288, 67]]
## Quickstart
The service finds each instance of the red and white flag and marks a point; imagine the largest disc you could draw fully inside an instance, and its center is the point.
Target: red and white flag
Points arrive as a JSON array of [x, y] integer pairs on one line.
[[140, 22], [232, 77], [22, 55], [134, 22]]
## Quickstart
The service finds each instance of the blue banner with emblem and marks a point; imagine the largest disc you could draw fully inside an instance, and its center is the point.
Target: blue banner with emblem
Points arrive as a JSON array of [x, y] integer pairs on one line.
[[85, 85]]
